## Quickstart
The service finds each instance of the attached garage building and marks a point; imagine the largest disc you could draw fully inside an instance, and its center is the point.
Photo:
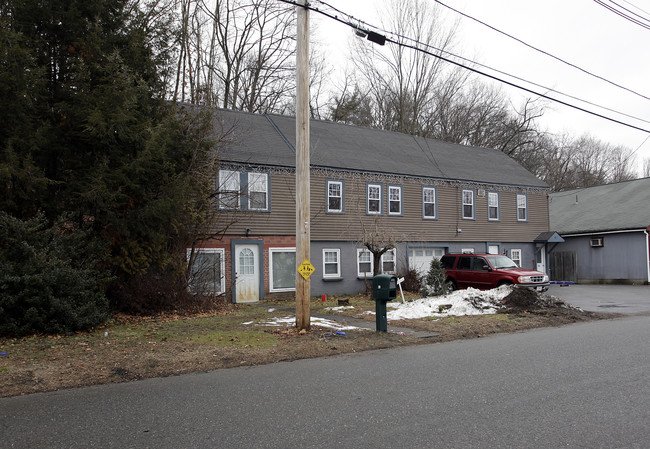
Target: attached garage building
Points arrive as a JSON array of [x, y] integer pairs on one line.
[[605, 229]]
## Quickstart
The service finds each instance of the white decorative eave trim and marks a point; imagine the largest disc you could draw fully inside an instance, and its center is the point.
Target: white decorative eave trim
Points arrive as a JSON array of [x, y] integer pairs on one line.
[[384, 177]]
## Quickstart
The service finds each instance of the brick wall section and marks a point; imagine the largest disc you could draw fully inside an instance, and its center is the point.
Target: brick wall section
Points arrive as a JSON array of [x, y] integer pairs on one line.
[[274, 241]]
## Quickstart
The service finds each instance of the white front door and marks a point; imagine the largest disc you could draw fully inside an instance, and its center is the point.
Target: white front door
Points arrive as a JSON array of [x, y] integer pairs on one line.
[[247, 277], [541, 260]]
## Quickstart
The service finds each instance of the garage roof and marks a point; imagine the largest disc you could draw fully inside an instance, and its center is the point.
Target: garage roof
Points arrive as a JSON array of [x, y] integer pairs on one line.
[[611, 207]]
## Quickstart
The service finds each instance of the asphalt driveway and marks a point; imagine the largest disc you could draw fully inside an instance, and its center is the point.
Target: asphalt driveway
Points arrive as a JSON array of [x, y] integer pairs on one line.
[[628, 299]]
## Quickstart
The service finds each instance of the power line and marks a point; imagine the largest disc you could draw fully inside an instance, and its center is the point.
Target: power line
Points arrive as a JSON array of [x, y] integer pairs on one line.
[[544, 52], [357, 27], [623, 15], [360, 22], [636, 7], [630, 11]]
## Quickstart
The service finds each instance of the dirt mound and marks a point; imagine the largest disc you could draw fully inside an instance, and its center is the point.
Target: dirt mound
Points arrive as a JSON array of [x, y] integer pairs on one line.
[[522, 298]]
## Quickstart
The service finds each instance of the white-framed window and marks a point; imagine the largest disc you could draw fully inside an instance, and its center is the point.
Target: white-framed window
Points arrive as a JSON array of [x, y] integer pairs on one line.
[[515, 255], [374, 199], [331, 263], [468, 204], [258, 191], [207, 271], [429, 202], [335, 196], [389, 262], [493, 206], [229, 186], [365, 263], [522, 207], [394, 200], [282, 269]]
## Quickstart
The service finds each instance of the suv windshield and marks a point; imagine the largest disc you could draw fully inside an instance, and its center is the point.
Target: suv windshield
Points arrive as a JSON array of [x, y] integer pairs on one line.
[[499, 262]]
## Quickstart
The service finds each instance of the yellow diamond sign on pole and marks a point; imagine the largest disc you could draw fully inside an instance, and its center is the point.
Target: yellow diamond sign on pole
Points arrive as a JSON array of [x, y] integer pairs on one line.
[[306, 269]]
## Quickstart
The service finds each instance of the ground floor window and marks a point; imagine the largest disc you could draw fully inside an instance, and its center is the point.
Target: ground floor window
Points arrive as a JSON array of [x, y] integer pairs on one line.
[[331, 263], [515, 255], [388, 262], [364, 263], [206, 271], [282, 269]]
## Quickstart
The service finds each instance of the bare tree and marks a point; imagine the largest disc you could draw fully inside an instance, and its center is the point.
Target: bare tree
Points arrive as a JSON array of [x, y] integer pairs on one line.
[[237, 54], [401, 81], [379, 240]]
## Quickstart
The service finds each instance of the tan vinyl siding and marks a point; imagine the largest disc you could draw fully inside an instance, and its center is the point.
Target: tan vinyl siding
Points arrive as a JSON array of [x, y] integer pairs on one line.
[[409, 227]]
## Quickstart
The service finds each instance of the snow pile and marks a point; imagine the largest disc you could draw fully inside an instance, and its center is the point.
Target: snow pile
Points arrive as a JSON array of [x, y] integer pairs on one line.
[[461, 302]]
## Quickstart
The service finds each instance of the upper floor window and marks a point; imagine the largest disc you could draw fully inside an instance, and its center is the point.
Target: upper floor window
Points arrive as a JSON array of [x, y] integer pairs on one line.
[[468, 204], [374, 199], [243, 190], [429, 202], [258, 195], [228, 189], [331, 263], [394, 200], [493, 206], [335, 196], [522, 207]]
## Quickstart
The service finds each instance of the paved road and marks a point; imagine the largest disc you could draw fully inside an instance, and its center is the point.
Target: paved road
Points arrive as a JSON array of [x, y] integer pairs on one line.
[[581, 386], [627, 299]]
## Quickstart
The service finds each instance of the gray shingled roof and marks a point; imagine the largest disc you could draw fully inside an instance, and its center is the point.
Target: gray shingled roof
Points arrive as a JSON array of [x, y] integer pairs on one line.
[[269, 140], [620, 206]]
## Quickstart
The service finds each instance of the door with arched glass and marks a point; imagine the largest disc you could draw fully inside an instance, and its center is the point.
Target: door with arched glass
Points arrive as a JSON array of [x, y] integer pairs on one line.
[[247, 276]]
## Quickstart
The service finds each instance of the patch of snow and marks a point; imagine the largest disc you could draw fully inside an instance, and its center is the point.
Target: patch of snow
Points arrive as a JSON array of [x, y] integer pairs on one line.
[[339, 308], [463, 302], [290, 321]]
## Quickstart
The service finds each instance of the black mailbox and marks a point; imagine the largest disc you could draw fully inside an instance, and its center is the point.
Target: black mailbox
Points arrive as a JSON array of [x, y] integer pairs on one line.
[[384, 289]]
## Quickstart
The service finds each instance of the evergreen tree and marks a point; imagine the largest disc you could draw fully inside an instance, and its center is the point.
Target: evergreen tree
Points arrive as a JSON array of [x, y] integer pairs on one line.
[[435, 283], [85, 130]]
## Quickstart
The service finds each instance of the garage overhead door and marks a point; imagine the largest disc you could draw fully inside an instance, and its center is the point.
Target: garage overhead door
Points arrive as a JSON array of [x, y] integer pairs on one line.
[[420, 258]]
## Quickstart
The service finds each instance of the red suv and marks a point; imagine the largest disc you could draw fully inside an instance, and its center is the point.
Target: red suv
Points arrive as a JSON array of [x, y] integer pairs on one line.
[[486, 271]]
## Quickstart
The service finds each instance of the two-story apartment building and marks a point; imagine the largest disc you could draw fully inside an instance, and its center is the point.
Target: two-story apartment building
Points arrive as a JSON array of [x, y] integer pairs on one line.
[[429, 196]]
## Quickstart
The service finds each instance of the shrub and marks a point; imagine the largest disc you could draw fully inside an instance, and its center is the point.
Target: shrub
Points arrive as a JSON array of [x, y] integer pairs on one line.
[[435, 283], [50, 279], [412, 281]]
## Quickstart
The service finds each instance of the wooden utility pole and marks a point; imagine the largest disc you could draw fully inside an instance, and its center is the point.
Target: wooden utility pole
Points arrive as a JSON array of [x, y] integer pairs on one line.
[[303, 284]]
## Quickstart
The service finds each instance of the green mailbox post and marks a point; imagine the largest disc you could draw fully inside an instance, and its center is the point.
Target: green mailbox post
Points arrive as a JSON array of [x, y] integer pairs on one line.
[[384, 289]]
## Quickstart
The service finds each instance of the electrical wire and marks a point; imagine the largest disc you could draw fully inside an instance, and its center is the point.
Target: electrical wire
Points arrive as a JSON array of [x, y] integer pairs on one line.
[[547, 89], [415, 47], [542, 51], [630, 11], [622, 14]]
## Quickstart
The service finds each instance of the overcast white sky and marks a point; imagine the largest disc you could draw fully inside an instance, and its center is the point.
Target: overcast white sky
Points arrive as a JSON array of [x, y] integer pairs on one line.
[[579, 31]]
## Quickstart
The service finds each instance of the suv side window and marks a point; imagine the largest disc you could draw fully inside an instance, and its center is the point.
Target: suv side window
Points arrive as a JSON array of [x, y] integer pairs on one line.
[[464, 263], [448, 262], [480, 264]]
